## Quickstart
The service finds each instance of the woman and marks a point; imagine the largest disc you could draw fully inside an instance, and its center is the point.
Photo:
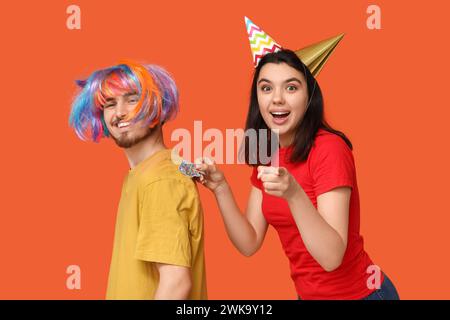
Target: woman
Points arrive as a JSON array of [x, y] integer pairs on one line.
[[311, 198]]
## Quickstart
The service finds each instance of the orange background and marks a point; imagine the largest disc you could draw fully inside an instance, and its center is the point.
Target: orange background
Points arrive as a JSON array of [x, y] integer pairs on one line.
[[383, 88]]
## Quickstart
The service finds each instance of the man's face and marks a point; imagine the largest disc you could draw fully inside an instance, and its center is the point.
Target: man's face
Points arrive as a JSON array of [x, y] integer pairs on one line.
[[125, 133]]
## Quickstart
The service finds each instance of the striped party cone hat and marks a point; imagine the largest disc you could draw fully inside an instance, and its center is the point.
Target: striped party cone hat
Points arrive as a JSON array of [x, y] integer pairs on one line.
[[260, 42], [313, 56]]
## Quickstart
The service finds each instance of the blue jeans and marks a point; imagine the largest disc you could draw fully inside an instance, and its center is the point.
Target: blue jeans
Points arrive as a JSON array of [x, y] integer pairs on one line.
[[387, 291]]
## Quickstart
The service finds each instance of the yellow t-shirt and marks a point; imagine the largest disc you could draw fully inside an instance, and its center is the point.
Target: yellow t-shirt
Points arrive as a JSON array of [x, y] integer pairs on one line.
[[160, 219]]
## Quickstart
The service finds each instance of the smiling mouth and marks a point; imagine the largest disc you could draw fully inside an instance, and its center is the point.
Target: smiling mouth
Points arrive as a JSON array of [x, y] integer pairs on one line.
[[123, 124], [280, 114]]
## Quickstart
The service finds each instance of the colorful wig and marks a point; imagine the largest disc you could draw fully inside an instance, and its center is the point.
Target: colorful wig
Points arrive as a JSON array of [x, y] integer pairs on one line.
[[158, 97]]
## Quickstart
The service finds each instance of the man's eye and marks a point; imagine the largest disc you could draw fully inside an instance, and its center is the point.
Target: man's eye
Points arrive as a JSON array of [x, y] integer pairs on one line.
[[265, 88], [133, 100], [108, 105]]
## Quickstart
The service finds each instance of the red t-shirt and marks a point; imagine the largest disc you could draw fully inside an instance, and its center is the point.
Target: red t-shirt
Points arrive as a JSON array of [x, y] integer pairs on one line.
[[330, 164]]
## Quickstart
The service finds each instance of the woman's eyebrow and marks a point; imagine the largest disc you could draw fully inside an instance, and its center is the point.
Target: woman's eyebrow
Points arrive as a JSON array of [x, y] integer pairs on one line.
[[293, 79], [285, 81], [263, 79]]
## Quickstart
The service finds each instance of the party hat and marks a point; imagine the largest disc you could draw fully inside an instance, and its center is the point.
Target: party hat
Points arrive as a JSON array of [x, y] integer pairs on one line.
[[316, 55], [260, 42], [313, 56]]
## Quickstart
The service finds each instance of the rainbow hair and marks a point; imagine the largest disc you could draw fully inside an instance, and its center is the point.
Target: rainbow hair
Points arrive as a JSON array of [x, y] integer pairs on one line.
[[158, 97]]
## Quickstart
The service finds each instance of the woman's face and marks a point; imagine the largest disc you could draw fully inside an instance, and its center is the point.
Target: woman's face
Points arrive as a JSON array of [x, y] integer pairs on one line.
[[282, 98]]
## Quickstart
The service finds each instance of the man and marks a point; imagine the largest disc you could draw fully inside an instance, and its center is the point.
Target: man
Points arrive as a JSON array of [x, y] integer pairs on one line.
[[158, 245]]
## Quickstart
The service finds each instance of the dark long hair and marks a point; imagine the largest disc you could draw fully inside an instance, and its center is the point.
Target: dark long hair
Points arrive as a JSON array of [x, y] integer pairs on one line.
[[313, 120]]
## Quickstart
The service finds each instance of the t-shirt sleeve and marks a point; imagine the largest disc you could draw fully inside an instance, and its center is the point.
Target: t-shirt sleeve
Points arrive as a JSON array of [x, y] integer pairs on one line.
[[254, 180], [163, 234], [332, 165]]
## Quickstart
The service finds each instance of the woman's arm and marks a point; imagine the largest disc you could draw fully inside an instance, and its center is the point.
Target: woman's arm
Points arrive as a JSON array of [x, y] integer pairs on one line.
[[324, 230], [246, 232]]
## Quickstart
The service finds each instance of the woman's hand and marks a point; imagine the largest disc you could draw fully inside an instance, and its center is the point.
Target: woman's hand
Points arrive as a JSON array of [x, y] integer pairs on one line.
[[277, 181], [211, 176]]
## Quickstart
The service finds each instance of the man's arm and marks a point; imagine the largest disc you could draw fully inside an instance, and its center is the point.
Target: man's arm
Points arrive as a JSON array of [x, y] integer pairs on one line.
[[174, 282]]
